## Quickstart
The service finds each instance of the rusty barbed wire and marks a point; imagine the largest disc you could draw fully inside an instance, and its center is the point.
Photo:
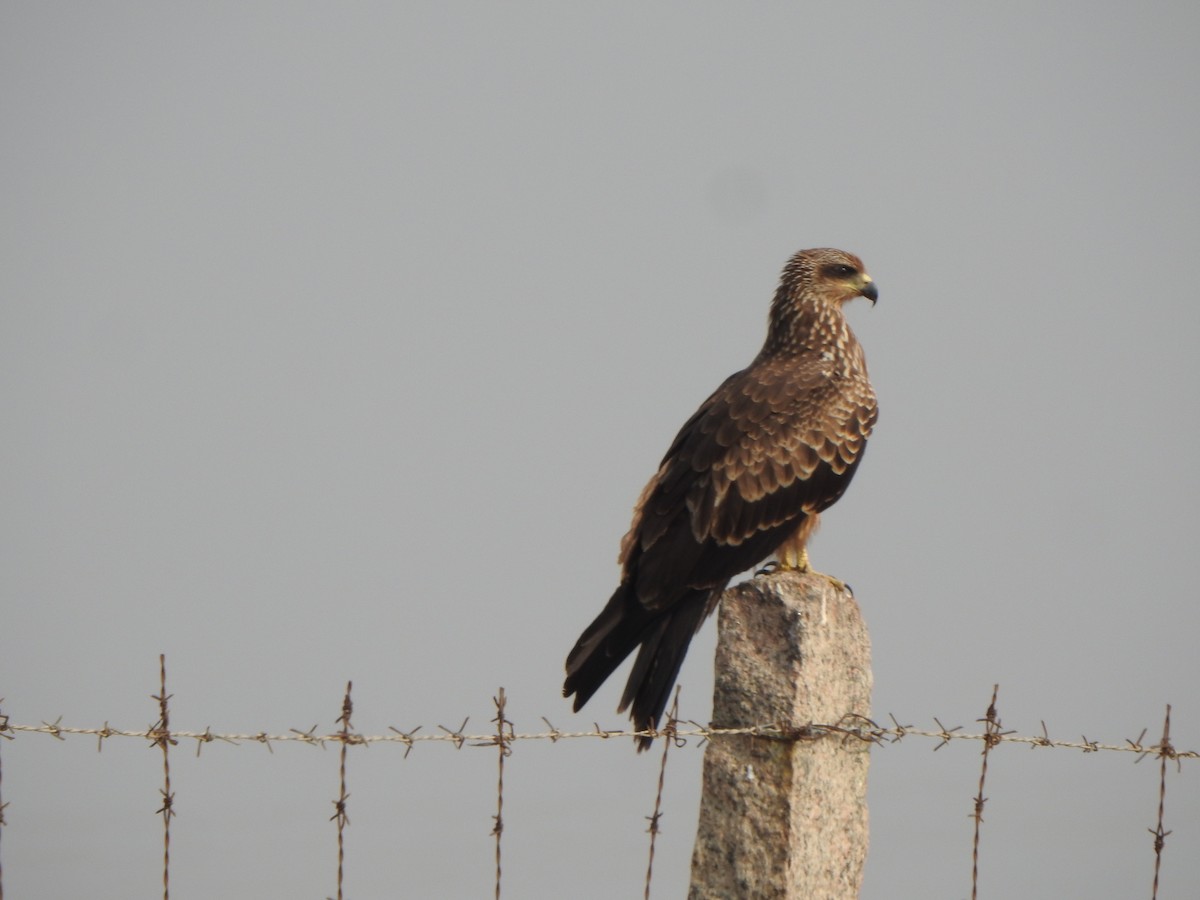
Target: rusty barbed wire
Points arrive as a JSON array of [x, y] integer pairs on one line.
[[160, 735], [869, 731], [668, 740], [501, 740], [346, 737], [1165, 751], [675, 731], [991, 737]]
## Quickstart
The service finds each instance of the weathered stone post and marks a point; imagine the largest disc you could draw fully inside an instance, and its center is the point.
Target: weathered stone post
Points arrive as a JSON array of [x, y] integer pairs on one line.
[[785, 818]]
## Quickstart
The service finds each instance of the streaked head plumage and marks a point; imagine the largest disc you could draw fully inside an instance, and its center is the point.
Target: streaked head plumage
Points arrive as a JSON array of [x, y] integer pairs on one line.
[[835, 275]]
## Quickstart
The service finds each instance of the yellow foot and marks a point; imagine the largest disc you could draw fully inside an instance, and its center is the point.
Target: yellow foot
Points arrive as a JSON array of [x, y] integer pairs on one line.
[[801, 565]]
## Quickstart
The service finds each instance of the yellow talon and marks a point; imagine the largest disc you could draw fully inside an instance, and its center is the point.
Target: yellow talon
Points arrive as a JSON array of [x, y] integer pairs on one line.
[[789, 561]]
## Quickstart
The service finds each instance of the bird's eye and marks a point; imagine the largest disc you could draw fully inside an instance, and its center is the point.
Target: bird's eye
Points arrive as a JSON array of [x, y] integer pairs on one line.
[[841, 270]]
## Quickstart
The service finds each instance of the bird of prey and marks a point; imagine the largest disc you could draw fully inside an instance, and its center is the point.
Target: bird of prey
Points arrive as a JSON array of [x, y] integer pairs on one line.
[[745, 479]]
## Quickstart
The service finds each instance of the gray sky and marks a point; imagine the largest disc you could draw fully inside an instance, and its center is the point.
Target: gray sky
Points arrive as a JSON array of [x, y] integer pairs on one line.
[[339, 340]]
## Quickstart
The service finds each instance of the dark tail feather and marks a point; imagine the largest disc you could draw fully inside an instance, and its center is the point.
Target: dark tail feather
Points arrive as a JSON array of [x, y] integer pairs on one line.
[[604, 644], [622, 625], [658, 662]]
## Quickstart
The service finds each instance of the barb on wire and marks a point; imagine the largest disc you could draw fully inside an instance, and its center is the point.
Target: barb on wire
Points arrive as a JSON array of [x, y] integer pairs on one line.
[[458, 738], [309, 737], [669, 737], [1165, 752], [107, 732], [405, 737], [946, 734]]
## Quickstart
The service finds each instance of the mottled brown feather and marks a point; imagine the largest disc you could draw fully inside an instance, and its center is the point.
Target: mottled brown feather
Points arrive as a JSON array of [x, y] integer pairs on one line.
[[771, 448]]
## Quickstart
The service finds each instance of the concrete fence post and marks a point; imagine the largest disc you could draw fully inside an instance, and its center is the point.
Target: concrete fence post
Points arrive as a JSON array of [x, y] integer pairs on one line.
[[785, 818]]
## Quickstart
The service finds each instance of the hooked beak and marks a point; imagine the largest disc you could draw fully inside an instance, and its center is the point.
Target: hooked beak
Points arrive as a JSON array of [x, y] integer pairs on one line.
[[869, 290]]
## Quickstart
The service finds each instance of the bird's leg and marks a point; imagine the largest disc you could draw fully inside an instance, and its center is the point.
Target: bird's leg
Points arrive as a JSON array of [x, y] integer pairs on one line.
[[793, 557]]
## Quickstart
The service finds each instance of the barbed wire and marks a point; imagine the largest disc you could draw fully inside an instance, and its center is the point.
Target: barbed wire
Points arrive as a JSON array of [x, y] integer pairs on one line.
[[655, 817], [675, 732], [340, 816], [160, 736], [1160, 836], [992, 735], [501, 741], [858, 728]]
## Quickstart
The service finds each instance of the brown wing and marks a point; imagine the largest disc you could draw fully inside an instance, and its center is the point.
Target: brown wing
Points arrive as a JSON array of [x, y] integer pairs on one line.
[[774, 443]]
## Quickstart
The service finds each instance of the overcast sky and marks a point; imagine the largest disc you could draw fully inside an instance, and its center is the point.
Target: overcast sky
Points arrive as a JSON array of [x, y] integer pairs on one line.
[[339, 339]]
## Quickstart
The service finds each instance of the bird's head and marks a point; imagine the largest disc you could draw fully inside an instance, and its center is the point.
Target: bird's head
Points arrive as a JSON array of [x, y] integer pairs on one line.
[[833, 276]]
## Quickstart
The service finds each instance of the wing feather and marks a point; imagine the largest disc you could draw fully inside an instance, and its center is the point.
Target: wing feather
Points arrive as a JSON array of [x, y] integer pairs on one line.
[[770, 446]]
